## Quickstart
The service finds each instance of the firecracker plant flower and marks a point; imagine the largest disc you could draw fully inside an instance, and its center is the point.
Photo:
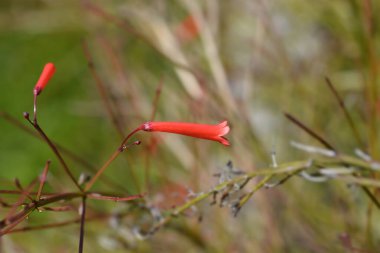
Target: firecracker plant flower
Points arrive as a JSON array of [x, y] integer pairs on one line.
[[202, 131], [45, 76]]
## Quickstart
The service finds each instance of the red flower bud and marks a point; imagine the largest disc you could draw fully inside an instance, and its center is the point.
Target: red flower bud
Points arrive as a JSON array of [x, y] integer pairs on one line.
[[45, 76], [209, 132]]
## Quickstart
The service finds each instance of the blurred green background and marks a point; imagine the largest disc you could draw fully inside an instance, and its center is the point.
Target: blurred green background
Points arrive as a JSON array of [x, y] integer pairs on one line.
[[248, 62]]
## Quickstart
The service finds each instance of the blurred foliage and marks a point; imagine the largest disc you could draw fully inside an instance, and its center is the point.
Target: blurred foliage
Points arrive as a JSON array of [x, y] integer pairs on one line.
[[249, 62]]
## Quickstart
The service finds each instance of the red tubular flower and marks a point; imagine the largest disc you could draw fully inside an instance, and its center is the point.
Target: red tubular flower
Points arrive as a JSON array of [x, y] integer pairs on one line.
[[209, 132], [45, 76]]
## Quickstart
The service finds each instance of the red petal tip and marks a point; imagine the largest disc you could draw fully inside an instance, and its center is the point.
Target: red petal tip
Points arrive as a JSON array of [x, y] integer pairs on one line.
[[224, 141]]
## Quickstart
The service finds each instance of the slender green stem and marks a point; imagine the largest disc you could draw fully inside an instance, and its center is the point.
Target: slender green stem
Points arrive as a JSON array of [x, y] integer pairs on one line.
[[284, 168], [288, 169], [257, 187]]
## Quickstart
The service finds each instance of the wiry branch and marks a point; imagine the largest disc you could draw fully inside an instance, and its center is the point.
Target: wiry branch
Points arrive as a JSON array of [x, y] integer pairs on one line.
[[287, 171], [309, 131], [54, 149], [13, 218], [63, 150], [345, 111]]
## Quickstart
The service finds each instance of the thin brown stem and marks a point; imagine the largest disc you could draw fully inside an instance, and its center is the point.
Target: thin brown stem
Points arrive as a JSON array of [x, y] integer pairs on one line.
[[28, 208], [24, 195], [90, 195], [63, 150], [346, 113], [57, 208], [13, 224], [102, 90], [371, 196], [113, 198], [83, 217], [125, 85], [156, 99], [309, 131], [13, 219], [110, 160], [102, 169], [18, 185], [153, 139], [57, 224], [55, 151], [4, 204], [42, 180]]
